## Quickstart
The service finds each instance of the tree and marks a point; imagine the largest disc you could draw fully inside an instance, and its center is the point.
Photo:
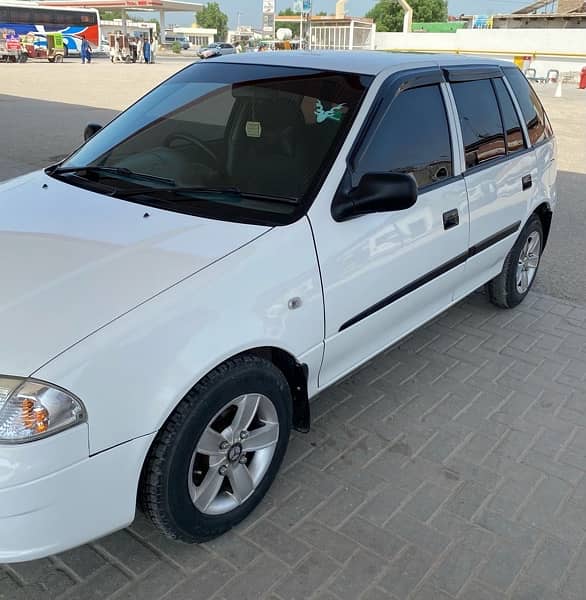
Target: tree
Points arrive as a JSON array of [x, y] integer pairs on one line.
[[288, 12], [388, 14], [110, 15], [211, 17]]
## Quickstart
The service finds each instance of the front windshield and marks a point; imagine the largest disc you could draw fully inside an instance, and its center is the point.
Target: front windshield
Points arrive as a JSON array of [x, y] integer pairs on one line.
[[257, 138]]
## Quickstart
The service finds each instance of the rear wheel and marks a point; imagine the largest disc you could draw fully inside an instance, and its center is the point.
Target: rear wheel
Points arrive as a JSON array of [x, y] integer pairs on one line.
[[58, 58], [510, 287], [219, 452]]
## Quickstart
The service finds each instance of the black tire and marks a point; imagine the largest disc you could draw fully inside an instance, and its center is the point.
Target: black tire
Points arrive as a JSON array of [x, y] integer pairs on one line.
[[502, 290], [164, 494]]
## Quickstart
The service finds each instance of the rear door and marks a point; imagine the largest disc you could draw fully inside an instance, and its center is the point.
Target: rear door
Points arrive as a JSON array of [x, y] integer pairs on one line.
[[499, 169]]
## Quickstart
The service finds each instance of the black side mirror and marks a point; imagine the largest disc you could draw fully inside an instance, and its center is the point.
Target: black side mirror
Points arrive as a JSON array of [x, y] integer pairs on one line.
[[90, 130], [376, 192]]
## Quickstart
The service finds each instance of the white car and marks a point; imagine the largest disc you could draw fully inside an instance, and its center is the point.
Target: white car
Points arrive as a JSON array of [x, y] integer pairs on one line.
[[247, 234]]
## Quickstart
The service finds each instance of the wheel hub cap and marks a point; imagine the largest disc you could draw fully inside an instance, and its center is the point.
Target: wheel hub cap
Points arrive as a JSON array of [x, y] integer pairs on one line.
[[234, 453]]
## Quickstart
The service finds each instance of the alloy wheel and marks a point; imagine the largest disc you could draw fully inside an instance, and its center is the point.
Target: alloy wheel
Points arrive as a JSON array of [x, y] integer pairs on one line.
[[233, 454]]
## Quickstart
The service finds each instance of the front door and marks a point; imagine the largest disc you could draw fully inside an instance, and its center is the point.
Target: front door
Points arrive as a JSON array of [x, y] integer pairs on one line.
[[384, 274]]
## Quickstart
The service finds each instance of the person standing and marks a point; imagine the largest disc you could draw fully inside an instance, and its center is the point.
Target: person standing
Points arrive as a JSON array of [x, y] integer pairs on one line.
[[146, 49], [85, 51]]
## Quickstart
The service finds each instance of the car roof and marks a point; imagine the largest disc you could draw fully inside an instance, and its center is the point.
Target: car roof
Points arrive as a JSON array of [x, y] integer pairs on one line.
[[364, 62]]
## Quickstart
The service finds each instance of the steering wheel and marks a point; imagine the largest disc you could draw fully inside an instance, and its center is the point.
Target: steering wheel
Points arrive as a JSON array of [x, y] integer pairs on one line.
[[185, 137]]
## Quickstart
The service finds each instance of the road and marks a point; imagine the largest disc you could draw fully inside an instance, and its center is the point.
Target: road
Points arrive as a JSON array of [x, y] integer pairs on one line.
[[49, 105]]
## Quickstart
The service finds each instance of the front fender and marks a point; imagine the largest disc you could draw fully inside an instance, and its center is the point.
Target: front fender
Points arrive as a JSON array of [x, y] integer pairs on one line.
[[133, 372]]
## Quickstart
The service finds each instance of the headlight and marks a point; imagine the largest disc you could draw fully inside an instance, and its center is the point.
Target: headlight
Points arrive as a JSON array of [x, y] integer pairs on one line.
[[30, 410]]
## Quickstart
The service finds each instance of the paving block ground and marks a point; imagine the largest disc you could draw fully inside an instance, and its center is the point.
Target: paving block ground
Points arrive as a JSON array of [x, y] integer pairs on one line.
[[452, 467]]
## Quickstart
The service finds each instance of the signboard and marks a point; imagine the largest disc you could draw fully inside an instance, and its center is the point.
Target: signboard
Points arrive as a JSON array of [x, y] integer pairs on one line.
[[268, 16], [268, 23], [298, 6], [306, 6]]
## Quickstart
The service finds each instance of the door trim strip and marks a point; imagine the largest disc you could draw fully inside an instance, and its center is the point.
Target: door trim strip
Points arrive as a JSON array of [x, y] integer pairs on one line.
[[428, 277]]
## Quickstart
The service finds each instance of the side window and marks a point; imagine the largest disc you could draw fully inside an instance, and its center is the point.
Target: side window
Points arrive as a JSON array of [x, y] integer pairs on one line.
[[514, 133], [537, 123], [412, 137], [480, 120]]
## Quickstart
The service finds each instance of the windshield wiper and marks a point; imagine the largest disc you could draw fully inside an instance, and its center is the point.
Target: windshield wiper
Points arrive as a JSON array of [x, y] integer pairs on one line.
[[119, 171], [195, 190]]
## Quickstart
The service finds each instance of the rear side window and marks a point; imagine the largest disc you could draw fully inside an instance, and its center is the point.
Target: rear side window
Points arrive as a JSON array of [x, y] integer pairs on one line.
[[535, 118], [480, 120], [513, 131], [412, 137]]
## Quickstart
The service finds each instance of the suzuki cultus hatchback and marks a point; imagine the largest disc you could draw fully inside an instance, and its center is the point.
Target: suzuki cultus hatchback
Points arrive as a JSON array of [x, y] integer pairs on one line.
[[242, 237]]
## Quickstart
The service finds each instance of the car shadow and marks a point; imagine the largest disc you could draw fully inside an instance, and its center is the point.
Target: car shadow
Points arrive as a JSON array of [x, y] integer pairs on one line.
[[40, 132]]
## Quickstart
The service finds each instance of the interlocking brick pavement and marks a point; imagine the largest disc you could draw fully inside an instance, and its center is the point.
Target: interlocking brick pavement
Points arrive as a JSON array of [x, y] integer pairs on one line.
[[452, 467]]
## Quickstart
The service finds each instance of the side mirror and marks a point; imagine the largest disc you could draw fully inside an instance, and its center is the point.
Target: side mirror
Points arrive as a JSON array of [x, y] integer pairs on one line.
[[90, 130], [376, 192]]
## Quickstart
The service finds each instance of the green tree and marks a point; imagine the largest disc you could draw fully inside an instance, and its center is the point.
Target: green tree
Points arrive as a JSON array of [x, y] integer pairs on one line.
[[110, 15], [211, 17], [388, 14], [288, 12]]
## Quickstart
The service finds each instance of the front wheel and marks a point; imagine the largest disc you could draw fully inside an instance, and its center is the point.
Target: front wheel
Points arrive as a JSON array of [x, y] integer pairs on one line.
[[510, 287], [219, 452]]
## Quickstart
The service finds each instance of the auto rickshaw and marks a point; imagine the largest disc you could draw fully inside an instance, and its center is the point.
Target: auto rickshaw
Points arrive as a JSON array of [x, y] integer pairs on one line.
[[55, 47], [49, 46]]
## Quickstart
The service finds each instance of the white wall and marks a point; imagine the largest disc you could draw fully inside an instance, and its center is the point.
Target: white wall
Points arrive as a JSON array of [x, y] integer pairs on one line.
[[562, 49]]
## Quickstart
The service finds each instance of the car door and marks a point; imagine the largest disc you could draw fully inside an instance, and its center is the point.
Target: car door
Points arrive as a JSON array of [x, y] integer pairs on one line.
[[386, 273], [499, 168]]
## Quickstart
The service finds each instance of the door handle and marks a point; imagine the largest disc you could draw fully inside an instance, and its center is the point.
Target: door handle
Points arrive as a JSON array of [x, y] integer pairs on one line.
[[527, 182], [451, 218]]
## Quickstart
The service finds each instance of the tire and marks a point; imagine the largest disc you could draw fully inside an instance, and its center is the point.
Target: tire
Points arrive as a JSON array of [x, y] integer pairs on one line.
[[179, 484], [510, 287]]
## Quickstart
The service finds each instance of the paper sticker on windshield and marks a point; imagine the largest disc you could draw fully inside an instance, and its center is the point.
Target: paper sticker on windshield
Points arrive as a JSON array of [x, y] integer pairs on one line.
[[335, 113], [253, 129]]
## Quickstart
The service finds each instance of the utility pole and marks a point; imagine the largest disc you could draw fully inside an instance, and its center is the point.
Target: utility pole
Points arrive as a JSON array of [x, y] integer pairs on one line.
[[238, 15]]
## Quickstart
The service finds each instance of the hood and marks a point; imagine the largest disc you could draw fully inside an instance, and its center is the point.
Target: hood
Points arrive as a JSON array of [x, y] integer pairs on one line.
[[73, 260]]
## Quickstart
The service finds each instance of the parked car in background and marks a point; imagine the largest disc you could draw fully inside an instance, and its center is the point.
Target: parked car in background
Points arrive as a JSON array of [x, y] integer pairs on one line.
[[249, 233], [181, 39], [216, 49]]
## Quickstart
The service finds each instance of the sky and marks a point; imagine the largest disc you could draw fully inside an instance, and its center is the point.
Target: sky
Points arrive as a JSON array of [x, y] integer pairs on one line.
[[251, 9]]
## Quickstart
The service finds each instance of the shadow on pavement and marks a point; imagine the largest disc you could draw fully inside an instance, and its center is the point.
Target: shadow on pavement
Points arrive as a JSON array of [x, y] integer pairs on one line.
[[562, 273], [39, 132]]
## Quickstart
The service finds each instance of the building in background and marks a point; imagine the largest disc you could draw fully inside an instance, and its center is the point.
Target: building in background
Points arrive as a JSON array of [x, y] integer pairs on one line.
[[544, 14], [199, 37], [549, 37]]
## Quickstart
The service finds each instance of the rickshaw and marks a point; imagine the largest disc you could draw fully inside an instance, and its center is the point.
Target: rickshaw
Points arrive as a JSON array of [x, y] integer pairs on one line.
[[49, 46]]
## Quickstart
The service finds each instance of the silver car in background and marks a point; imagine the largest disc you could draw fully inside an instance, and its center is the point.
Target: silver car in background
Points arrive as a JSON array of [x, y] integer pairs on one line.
[[216, 49]]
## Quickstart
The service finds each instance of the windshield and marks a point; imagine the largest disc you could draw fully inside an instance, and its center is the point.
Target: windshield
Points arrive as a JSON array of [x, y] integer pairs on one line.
[[259, 139]]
